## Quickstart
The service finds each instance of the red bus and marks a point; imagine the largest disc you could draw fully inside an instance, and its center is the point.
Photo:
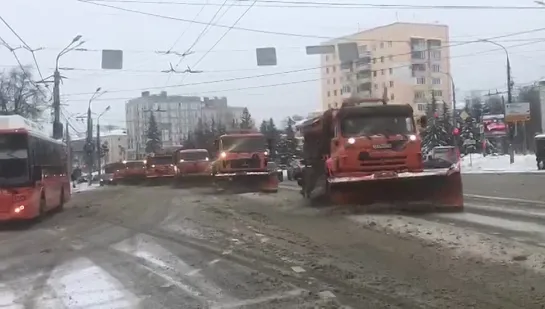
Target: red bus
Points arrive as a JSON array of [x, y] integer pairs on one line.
[[33, 170]]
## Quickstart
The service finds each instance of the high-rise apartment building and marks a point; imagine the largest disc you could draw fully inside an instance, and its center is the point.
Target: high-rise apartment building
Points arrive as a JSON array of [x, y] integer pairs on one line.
[[410, 60]]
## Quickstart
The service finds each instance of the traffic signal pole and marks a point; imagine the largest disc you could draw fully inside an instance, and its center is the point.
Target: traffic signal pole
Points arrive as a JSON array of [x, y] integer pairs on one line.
[[99, 154]]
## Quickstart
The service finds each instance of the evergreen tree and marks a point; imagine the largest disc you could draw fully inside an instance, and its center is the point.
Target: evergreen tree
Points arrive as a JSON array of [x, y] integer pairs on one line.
[[264, 128], [291, 141], [435, 133], [154, 143], [246, 121]]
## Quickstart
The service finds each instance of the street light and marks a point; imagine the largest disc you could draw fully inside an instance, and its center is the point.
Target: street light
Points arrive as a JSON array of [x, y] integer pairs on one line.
[[89, 142], [99, 148], [57, 126]]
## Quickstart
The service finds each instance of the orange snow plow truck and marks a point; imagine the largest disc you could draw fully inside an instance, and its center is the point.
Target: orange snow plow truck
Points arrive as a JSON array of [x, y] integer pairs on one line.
[[369, 152], [242, 162], [193, 166]]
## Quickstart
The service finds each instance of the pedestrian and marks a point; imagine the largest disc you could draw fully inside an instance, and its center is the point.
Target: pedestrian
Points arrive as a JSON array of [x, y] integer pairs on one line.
[[76, 174]]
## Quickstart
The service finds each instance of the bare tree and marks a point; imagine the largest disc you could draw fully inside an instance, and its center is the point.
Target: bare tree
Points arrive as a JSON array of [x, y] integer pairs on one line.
[[19, 95]]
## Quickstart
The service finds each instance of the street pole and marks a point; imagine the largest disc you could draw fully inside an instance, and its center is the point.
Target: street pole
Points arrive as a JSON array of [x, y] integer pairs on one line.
[[98, 150], [89, 141], [57, 125]]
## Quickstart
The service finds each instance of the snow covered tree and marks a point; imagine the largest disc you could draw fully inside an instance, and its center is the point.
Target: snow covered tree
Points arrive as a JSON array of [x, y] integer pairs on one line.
[[154, 142], [246, 121], [435, 134]]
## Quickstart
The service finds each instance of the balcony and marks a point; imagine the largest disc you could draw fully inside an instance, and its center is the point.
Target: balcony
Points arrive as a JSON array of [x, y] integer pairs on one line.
[[347, 67], [363, 74]]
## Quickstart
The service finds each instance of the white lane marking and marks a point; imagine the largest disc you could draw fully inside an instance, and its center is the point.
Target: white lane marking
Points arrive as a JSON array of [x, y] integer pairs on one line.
[[512, 225], [172, 268], [260, 300], [214, 261], [510, 199], [511, 211], [8, 299], [82, 284]]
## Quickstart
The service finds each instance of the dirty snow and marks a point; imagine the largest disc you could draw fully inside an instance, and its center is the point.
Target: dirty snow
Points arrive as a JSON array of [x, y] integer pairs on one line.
[[84, 187], [462, 241], [494, 164]]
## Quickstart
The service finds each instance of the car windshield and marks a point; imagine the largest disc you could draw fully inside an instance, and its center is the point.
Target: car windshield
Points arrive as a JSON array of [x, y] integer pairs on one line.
[[135, 164], [13, 159], [160, 160], [243, 144], [376, 125], [193, 155]]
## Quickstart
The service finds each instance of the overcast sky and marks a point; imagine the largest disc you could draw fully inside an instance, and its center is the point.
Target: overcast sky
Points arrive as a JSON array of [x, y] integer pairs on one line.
[[52, 25]]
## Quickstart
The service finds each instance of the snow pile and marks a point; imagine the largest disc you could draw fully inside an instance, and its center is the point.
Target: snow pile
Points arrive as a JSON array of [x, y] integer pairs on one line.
[[494, 164], [84, 187]]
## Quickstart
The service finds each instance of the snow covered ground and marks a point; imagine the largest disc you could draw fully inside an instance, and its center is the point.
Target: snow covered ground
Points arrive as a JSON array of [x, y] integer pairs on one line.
[[494, 164], [85, 187]]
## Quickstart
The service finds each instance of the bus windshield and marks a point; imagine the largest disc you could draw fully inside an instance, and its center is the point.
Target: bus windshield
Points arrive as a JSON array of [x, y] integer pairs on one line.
[[13, 159], [160, 160], [243, 143], [193, 155], [376, 125]]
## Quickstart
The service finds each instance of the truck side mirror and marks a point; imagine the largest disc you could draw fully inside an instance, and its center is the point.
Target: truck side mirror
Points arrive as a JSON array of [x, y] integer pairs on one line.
[[423, 121]]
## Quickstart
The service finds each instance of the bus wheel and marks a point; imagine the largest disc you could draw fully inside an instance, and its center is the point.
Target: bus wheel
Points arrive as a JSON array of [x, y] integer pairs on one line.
[[61, 203]]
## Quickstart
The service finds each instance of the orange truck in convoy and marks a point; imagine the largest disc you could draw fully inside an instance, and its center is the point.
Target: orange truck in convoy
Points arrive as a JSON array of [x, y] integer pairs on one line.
[[33, 170], [134, 171], [193, 165], [368, 151], [242, 162], [160, 166]]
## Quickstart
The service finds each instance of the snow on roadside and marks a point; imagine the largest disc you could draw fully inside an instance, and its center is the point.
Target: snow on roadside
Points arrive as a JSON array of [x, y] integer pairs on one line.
[[495, 164], [82, 187], [463, 241]]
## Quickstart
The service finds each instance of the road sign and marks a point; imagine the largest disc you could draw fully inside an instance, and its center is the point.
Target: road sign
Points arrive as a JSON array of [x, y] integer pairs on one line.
[[112, 59], [517, 112], [266, 56], [320, 49], [464, 115], [348, 52]]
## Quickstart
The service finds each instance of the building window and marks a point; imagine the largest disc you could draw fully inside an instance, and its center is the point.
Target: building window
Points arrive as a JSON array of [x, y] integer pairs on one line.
[[436, 54], [390, 43], [392, 97], [391, 83], [326, 58], [420, 80], [418, 55], [435, 68], [346, 89], [327, 70], [362, 48], [374, 73], [374, 60], [335, 92], [419, 95], [382, 72], [437, 93], [334, 80], [336, 104], [381, 44], [436, 81], [382, 59], [421, 107], [391, 71], [328, 93], [376, 86]]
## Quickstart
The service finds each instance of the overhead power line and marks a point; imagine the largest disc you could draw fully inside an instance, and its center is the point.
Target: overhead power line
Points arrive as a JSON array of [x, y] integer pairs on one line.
[[338, 5], [314, 68]]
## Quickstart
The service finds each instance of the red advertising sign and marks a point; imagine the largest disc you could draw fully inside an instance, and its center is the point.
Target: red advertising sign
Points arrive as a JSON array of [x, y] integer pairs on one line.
[[494, 125]]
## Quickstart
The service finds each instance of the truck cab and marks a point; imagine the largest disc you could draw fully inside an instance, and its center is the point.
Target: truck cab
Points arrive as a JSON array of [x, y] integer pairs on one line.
[[241, 152]]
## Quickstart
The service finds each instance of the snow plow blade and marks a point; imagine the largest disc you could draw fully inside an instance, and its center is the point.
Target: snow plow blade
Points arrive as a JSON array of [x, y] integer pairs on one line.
[[247, 182], [437, 189]]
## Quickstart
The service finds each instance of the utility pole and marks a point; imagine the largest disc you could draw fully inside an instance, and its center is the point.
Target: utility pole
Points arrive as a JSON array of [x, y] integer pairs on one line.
[[57, 125], [510, 132], [98, 152]]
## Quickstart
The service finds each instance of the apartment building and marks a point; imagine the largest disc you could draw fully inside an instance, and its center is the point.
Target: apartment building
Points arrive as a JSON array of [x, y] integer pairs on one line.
[[117, 147], [410, 60], [176, 117]]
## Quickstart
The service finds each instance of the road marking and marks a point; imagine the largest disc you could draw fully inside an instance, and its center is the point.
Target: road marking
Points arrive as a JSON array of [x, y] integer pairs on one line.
[[260, 300], [214, 261], [504, 199], [82, 284]]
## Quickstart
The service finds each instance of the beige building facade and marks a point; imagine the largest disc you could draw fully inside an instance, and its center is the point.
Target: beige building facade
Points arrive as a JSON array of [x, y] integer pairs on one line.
[[411, 61]]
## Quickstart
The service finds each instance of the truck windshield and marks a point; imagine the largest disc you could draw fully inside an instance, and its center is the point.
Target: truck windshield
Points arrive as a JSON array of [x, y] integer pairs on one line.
[[160, 160], [13, 159], [376, 125], [135, 164], [112, 168], [193, 156], [243, 144]]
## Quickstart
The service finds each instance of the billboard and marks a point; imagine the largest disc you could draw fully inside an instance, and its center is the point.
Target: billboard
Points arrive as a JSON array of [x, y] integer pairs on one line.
[[494, 125], [517, 112]]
